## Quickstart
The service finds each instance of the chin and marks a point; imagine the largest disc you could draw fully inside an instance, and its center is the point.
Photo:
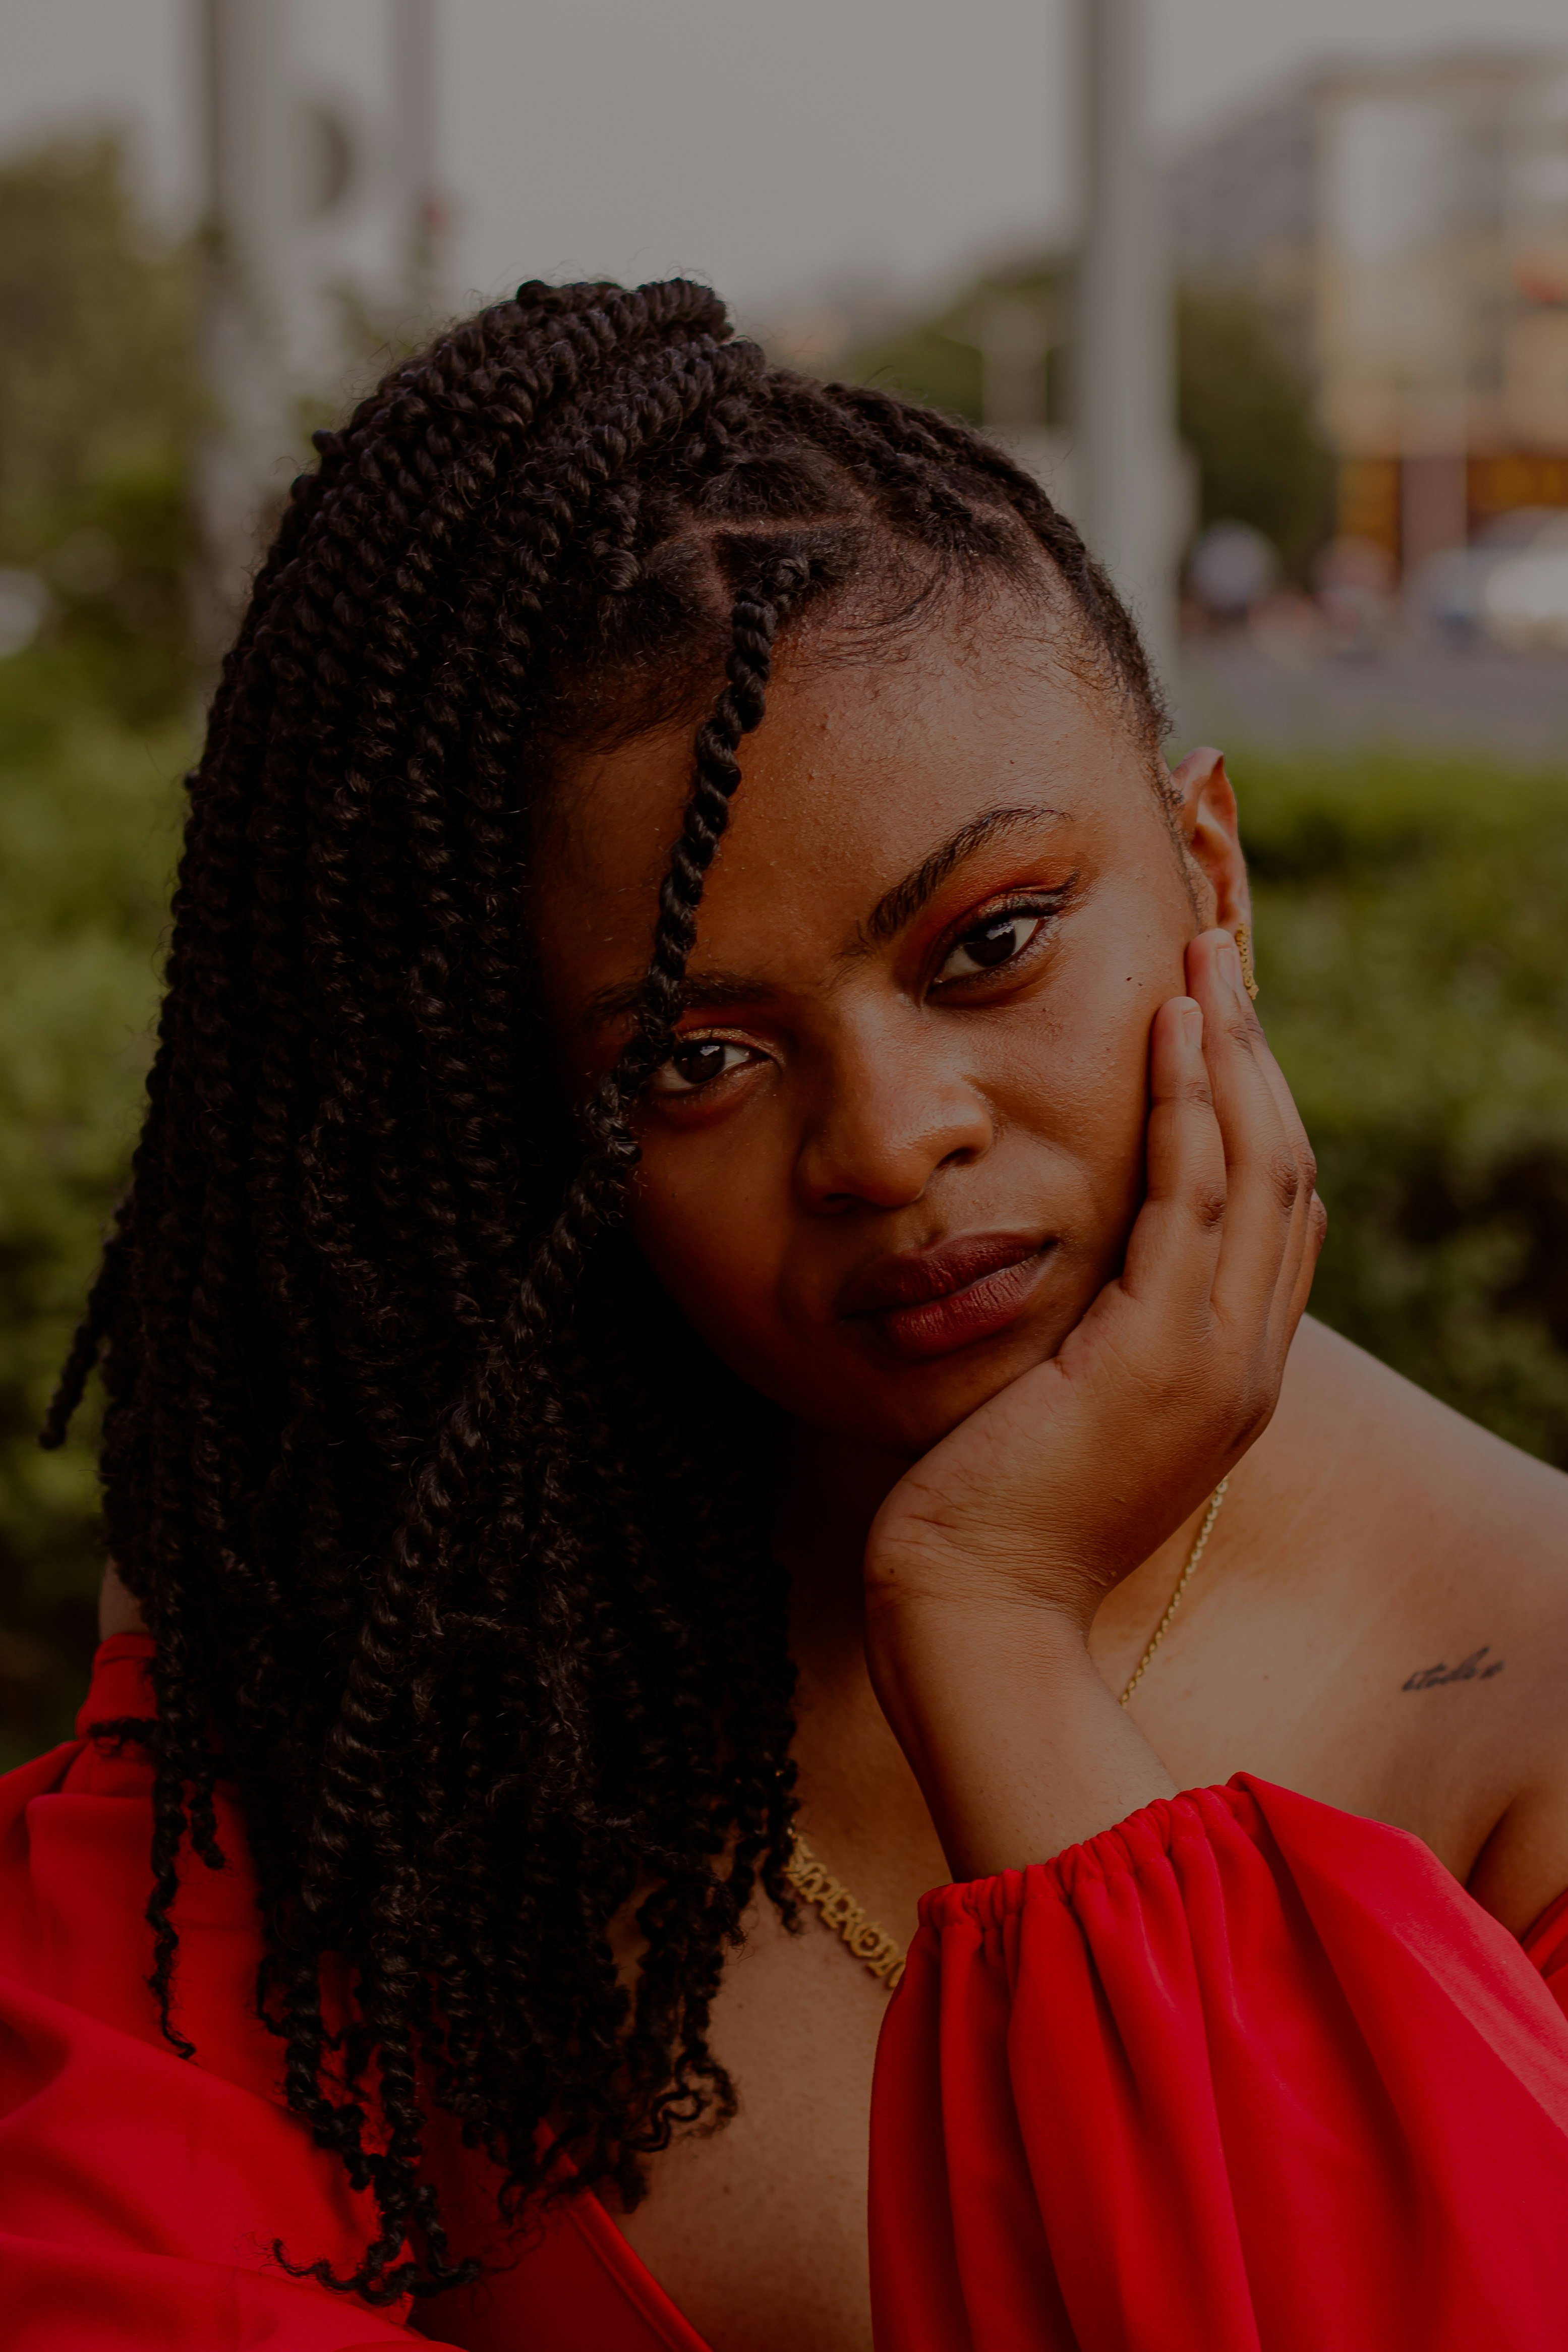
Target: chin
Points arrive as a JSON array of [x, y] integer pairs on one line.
[[907, 1409], [852, 1387]]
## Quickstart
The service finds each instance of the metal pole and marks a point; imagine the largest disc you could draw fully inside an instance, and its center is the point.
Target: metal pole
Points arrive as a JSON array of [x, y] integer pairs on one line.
[[252, 199], [413, 63], [1128, 466]]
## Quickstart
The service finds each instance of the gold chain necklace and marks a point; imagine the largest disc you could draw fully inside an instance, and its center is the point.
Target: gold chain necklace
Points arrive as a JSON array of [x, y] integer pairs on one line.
[[815, 1884], [1183, 1580]]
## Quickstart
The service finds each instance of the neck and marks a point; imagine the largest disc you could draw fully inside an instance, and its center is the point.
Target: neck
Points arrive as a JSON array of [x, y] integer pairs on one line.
[[860, 1801], [827, 1491]]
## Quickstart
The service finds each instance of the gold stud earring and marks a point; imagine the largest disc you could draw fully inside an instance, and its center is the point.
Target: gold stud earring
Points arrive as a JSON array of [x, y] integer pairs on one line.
[[1244, 950]]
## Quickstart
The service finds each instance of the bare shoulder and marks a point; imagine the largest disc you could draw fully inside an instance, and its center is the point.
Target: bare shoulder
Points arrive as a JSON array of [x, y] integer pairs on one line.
[[1443, 1498], [1449, 1547]]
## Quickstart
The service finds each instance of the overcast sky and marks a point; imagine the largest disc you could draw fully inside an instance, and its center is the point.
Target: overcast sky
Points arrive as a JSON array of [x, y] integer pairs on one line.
[[773, 146]]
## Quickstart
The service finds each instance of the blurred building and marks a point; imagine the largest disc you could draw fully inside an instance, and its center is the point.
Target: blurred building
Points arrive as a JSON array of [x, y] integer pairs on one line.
[[1407, 224]]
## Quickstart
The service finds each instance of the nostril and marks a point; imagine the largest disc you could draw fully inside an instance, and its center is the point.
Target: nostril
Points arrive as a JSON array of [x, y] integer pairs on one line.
[[884, 1135]]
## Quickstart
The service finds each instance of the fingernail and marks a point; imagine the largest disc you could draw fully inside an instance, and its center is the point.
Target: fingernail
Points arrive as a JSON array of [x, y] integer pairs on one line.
[[1192, 1023], [1230, 958]]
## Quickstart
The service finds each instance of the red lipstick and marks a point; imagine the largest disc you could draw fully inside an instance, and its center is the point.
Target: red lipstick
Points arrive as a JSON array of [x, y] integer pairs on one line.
[[928, 1302]]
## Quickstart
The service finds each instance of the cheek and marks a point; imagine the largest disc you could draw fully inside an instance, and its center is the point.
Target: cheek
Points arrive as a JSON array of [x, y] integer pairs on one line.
[[1074, 1151], [1079, 1081], [715, 1235], [718, 1219]]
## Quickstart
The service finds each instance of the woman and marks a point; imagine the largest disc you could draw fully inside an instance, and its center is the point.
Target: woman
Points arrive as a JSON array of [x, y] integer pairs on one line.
[[613, 1352]]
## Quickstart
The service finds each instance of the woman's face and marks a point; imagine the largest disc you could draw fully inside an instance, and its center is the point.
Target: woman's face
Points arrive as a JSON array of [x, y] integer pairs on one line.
[[900, 1144]]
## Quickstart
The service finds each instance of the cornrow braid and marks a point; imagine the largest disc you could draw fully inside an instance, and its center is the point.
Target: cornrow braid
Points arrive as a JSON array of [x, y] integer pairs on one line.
[[448, 1531]]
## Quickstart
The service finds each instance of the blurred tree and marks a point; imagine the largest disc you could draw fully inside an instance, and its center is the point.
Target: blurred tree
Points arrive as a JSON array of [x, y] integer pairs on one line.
[[1409, 920], [87, 816], [1244, 404], [940, 360], [1245, 411], [1409, 913], [98, 405]]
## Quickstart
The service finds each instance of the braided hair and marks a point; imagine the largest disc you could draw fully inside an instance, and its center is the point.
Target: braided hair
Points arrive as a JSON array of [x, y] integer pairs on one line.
[[449, 1532]]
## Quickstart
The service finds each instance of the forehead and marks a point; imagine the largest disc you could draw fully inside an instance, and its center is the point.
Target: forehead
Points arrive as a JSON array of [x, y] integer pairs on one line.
[[867, 757]]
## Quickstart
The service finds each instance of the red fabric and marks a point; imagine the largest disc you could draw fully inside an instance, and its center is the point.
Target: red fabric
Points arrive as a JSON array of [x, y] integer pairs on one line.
[[1243, 2072]]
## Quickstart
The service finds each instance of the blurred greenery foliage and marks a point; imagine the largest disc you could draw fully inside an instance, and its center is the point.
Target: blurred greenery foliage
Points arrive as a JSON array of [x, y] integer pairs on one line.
[[87, 816], [1409, 916], [1244, 403], [1244, 410], [99, 405], [98, 408], [1409, 920], [940, 358]]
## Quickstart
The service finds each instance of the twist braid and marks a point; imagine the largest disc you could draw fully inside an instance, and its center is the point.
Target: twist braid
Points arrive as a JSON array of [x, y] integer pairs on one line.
[[450, 1535]]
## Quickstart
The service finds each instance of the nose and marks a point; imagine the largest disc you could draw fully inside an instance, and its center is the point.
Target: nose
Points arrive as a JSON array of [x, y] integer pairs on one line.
[[891, 1114]]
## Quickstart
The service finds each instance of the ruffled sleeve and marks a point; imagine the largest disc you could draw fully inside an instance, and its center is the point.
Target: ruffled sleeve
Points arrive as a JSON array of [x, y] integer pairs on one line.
[[144, 2197], [1244, 2073]]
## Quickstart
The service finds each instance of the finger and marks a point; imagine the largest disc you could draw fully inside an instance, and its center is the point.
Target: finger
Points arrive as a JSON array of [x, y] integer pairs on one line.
[[1174, 1243], [1311, 1218], [1264, 1177], [1309, 1222], [1317, 1230]]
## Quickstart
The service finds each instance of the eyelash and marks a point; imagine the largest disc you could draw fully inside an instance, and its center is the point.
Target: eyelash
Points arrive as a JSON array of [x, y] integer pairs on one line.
[[1041, 911], [679, 1089]]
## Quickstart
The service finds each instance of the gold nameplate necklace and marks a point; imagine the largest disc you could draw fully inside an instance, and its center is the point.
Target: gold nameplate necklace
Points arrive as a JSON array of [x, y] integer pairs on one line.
[[815, 1884], [882, 1953]]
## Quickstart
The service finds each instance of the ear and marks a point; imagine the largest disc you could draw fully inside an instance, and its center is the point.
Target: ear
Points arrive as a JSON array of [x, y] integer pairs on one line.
[[1210, 832]]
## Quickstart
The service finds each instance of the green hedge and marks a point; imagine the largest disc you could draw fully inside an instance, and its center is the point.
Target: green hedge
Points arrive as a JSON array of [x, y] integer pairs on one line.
[[87, 817], [1410, 919]]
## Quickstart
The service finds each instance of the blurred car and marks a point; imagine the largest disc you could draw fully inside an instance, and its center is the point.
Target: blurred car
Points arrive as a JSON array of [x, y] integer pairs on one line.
[[1524, 603], [1511, 584]]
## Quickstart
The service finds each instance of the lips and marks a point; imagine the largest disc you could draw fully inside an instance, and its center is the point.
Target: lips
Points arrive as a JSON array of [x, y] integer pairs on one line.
[[927, 1303]]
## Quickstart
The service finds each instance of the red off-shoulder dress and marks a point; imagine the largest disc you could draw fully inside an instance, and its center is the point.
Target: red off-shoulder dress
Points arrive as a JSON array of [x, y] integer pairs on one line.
[[1241, 2075]]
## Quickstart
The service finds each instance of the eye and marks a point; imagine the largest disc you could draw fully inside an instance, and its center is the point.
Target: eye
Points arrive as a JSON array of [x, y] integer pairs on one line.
[[698, 1061], [992, 943]]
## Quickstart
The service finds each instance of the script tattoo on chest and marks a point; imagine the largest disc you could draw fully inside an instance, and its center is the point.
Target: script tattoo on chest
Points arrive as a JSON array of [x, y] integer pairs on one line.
[[1468, 1670]]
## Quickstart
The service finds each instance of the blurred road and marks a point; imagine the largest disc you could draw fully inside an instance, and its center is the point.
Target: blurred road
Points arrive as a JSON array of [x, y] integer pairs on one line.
[[1427, 697]]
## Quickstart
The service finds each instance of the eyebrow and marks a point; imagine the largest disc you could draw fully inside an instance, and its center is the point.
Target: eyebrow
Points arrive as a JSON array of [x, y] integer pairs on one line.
[[618, 1003], [900, 905], [892, 910]]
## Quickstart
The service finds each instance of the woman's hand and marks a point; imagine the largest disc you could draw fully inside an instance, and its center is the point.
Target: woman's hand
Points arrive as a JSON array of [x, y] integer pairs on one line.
[[986, 1562]]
